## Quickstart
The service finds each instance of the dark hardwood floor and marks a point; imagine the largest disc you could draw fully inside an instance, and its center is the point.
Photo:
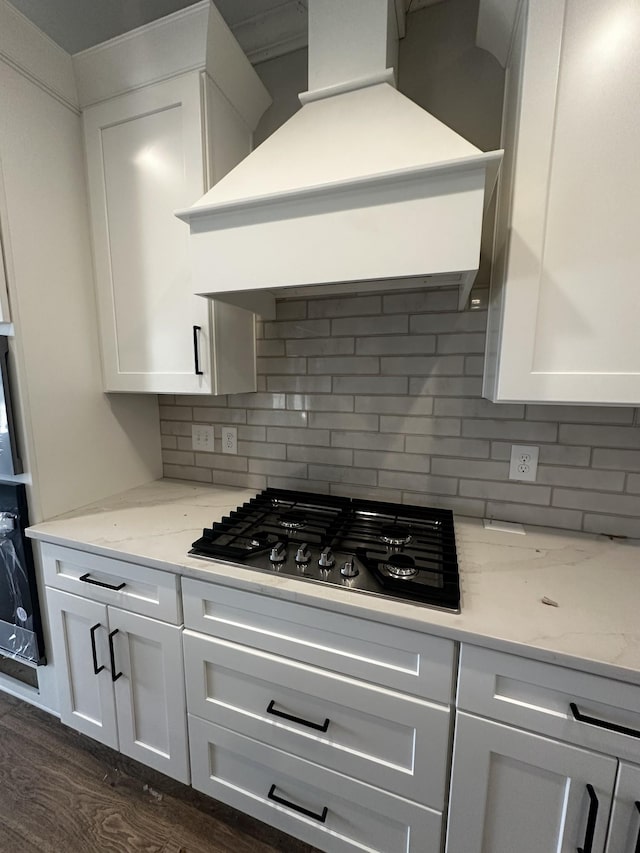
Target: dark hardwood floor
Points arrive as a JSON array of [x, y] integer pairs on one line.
[[61, 792]]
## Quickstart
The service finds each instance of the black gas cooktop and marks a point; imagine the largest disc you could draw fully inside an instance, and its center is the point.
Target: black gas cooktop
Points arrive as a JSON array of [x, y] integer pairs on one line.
[[394, 550]]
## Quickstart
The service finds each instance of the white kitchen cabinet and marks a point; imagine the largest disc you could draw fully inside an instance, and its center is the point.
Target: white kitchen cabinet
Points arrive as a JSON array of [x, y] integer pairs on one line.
[[121, 680], [120, 673], [564, 296], [624, 829], [79, 633], [397, 743], [149, 152], [514, 790], [149, 691], [529, 737], [327, 809], [333, 728]]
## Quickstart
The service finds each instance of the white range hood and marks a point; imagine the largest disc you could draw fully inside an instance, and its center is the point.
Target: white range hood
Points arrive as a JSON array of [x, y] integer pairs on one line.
[[359, 187]]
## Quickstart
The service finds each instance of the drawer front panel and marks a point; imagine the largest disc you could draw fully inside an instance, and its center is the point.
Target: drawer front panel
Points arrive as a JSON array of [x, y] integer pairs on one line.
[[392, 657], [149, 592], [398, 743], [242, 772], [538, 696]]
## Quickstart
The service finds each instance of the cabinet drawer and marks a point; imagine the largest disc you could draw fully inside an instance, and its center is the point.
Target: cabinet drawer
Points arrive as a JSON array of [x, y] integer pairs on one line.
[[242, 772], [149, 592], [370, 651], [538, 696], [398, 743]]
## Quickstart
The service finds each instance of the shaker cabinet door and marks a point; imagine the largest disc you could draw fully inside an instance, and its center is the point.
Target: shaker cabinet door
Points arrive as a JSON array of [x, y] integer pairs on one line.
[[79, 635], [624, 829], [145, 159], [565, 300], [515, 791], [149, 691]]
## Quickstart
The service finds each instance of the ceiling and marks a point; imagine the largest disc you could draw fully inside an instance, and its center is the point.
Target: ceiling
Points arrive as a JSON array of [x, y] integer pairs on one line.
[[78, 24]]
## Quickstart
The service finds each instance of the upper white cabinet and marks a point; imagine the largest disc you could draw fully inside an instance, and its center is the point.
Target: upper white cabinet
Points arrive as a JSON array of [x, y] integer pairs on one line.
[[150, 151], [565, 300]]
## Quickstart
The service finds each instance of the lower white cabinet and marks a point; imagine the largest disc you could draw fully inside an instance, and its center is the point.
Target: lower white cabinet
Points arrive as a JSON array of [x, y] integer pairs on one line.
[[512, 790], [624, 829], [545, 759], [310, 720], [121, 680], [395, 742], [313, 803]]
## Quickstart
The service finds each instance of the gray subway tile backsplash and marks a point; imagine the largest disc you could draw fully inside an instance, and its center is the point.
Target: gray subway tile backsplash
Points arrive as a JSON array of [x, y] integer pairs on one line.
[[297, 329], [619, 460], [347, 306], [379, 396], [320, 346]]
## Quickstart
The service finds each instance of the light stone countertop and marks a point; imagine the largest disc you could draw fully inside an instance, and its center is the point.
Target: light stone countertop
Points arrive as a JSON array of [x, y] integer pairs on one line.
[[595, 580]]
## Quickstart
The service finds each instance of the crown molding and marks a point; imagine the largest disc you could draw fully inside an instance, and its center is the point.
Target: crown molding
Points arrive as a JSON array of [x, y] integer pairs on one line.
[[34, 55]]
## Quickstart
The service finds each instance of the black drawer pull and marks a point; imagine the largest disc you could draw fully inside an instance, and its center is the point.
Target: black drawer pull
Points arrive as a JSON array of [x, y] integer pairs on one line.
[[319, 727], [87, 579], [637, 850], [320, 817], [112, 655], [591, 822], [196, 355], [94, 654], [602, 724]]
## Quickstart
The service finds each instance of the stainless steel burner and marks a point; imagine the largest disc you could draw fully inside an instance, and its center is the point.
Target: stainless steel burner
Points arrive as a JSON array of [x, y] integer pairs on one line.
[[400, 566], [260, 538], [395, 534]]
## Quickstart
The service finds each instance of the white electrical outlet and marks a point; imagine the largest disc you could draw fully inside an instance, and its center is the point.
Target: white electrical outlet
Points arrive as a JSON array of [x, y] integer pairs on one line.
[[229, 439], [524, 463], [202, 438]]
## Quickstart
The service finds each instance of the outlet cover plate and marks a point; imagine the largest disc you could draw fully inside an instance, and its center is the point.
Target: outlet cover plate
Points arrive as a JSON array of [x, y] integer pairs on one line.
[[229, 439], [524, 463], [202, 438]]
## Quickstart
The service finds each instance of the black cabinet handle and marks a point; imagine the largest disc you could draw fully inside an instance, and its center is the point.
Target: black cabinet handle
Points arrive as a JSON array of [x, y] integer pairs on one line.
[[602, 724], [637, 850], [196, 357], [319, 727], [87, 579], [112, 655], [94, 653], [591, 822], [319, 817]]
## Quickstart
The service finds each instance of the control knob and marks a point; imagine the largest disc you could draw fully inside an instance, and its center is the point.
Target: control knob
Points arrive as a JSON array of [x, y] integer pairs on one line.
[[349, 569], [278, 553], [302, 554], [327, 560]]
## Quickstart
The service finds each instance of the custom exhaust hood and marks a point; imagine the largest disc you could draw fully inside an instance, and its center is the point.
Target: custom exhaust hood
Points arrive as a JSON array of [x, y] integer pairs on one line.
[[361, 186]]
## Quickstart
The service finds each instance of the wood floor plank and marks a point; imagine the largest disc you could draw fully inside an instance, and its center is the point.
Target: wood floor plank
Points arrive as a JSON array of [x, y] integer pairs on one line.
[[14, 840], [8, 703], [64, 792]]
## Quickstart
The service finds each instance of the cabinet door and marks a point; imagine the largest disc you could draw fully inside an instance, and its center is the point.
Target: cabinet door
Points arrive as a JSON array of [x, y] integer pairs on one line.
[[79, 630], [624, 829], [150, 700], [145, 159], [565, 301], [516, 791]]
